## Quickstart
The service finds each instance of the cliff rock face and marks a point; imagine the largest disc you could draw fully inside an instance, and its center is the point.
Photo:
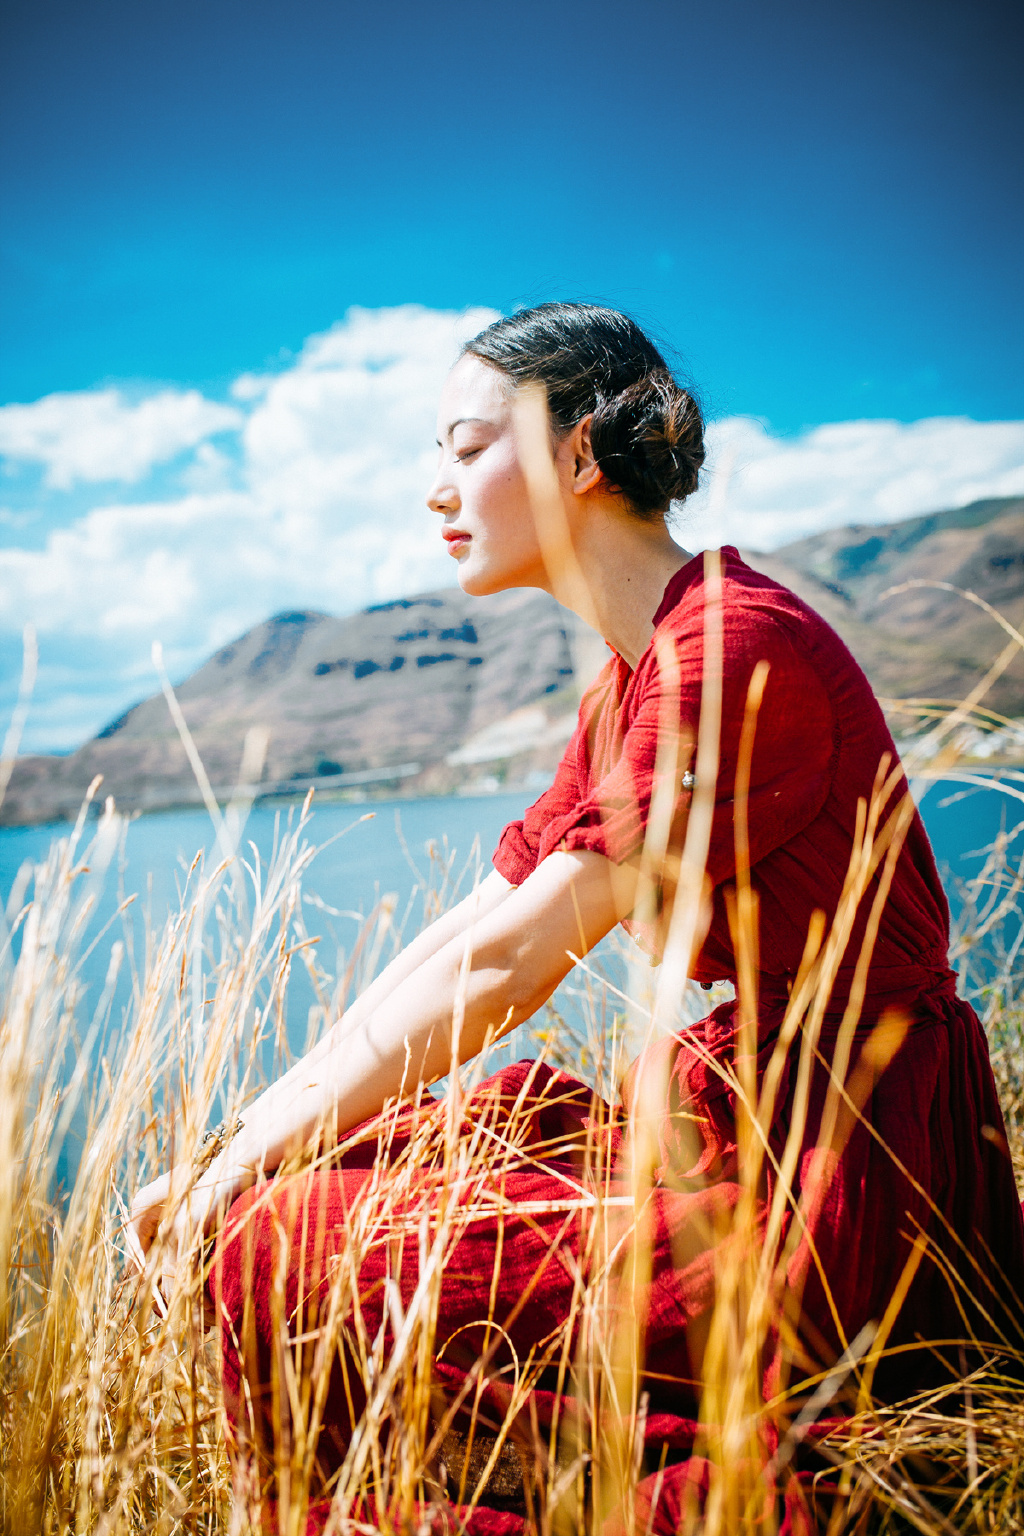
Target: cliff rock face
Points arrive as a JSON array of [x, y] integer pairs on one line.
[[443, 691], [371, 701]]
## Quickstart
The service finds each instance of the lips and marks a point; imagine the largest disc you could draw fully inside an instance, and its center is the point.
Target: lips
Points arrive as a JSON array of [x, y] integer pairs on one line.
[[455, 540]]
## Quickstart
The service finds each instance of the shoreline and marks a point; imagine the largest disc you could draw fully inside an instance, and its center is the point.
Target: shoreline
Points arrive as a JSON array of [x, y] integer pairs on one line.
[[326, 795]]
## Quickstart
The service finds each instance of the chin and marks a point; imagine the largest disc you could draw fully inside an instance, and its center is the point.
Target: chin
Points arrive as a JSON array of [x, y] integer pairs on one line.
[[476, 583]]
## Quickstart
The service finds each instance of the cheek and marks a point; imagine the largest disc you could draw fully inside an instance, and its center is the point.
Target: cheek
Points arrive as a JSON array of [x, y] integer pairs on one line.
[[490, 499], [499, 498]]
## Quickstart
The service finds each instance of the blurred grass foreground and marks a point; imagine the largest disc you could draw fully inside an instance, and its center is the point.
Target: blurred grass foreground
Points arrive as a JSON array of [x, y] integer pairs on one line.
[[112, 1413]]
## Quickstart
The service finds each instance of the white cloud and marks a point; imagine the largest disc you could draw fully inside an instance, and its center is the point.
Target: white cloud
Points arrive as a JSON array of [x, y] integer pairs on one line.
[[763, 491], [99, 435], [358, 408], [326, 510], [320, 503]]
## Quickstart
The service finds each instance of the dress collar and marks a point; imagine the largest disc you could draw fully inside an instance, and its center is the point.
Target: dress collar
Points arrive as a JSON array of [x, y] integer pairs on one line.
[[685, 577], [679, 584]]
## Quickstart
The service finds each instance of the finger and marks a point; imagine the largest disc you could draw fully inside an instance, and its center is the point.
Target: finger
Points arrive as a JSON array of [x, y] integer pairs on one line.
[[136, 1252], [146, 1290], [168, 1281]]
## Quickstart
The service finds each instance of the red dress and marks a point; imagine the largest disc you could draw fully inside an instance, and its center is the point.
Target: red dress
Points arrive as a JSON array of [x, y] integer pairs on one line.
[[926, 1160]]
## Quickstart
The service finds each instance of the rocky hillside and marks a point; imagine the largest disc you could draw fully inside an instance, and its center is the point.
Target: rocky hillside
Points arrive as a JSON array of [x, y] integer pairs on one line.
[[442, 691], [921, 643], [367, 703]]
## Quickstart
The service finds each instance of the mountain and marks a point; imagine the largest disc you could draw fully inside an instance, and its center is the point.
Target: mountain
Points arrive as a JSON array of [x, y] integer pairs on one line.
[[442, 691], [921, 643], [357, 704]]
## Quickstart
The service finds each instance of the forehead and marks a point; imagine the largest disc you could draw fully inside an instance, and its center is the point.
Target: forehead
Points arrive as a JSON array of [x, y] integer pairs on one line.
[[473, 390]]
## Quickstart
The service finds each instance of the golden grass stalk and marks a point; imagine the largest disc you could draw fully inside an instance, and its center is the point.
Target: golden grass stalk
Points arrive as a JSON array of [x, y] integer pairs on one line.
[[112, 1415]]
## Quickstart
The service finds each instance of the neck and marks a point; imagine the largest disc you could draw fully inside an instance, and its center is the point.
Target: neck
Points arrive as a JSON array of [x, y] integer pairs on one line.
[[626, 565]]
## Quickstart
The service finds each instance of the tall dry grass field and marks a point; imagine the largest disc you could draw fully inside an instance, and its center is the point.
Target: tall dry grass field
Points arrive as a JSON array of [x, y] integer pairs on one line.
[[111, 1416]]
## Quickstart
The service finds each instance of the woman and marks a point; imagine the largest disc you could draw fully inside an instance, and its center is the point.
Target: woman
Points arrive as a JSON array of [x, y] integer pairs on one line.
[[884, 1184]]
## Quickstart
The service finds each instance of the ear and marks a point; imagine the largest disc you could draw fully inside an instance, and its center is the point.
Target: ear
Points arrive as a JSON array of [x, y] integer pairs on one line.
[[587, 473]]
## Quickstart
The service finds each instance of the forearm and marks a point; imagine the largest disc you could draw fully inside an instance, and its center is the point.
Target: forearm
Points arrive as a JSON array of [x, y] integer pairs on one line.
[[362, 1064], [362, 1060], [491, 977], [486, 898], [442, 1016]]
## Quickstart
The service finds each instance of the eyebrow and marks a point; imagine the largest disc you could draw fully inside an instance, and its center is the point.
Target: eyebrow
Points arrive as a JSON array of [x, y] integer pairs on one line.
[[462, 421]]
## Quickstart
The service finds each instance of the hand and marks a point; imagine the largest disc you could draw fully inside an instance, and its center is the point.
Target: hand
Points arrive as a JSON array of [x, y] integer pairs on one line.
[[148, 1210], [144, 1218], [195, 1214]]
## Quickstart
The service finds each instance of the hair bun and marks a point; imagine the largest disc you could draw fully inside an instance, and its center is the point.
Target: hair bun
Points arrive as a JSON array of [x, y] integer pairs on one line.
[[647, 431], [649, 441]]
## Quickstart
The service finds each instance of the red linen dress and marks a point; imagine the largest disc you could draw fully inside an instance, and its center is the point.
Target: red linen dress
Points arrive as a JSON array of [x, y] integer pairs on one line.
[[927, 1159]]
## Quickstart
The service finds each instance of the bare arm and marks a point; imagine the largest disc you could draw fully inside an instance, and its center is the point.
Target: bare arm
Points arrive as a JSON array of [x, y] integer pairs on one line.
[[489, 895], [501, 968], [496, 970]]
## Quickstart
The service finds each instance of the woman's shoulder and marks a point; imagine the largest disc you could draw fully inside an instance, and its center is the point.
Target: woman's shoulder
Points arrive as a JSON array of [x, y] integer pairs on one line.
[[758, 613], [743, 587]]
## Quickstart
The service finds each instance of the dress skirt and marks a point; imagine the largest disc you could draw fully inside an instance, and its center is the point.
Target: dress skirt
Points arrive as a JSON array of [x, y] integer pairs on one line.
[[502, 1283]]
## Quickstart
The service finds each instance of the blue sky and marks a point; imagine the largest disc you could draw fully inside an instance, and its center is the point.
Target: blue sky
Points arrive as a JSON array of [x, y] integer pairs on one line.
[[817, 207]]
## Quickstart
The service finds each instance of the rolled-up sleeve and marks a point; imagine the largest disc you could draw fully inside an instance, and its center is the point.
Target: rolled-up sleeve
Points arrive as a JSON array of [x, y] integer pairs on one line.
[[604, 806], [518, 852]]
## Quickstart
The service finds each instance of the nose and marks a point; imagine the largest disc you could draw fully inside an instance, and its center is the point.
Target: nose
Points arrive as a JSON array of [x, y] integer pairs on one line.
[[442, 496]]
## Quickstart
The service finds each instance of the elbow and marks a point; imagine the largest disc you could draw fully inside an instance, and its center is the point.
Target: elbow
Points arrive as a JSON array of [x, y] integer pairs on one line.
[[516, 1002], [515, 985]]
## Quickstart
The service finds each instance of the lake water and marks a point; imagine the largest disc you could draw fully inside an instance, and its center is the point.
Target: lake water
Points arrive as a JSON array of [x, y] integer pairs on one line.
[[359, 860], [365, 852], [398, 850]]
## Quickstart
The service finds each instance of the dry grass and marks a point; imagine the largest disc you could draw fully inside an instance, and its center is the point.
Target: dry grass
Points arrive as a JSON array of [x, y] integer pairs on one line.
[[112, 1416], [111, 1411]]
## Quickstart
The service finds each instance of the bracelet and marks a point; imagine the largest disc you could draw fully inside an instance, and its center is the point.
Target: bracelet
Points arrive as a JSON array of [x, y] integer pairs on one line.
[[214, 1143]]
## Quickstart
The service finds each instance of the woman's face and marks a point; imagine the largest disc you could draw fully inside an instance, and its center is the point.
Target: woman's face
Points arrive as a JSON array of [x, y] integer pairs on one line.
[[480, 489]]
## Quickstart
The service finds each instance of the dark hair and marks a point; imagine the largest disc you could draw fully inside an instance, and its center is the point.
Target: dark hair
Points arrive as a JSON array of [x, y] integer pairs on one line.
[[647, 432]]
